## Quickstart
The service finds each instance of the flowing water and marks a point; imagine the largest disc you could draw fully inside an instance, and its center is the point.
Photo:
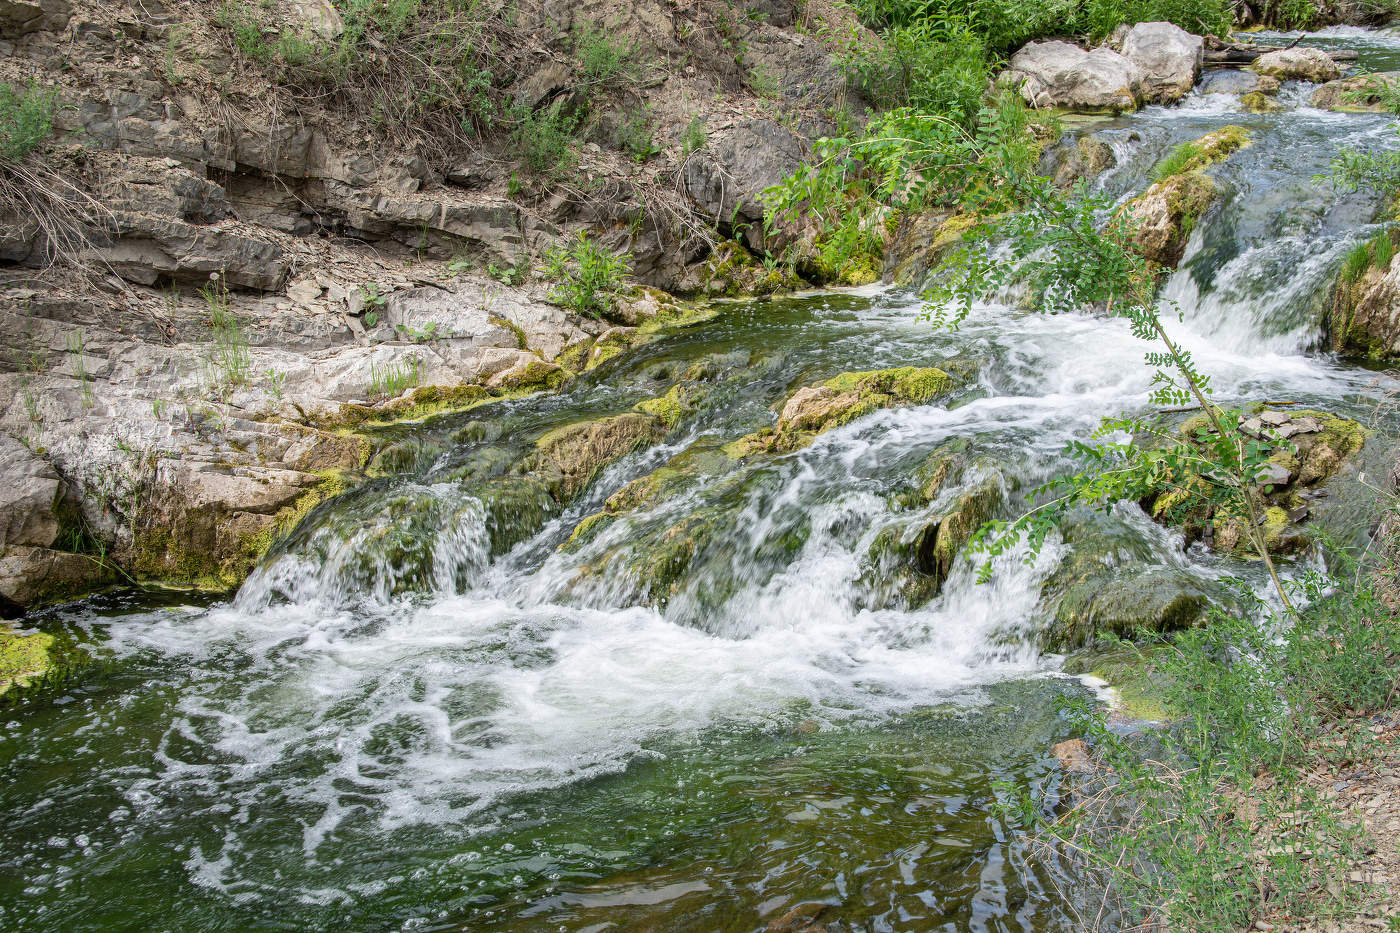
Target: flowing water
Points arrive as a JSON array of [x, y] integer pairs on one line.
[[430, 710]]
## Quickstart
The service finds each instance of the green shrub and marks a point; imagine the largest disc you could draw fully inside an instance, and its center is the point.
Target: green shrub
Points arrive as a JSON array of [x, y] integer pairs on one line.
[[1357, 261], [545, 140], [694, 138], [937, 67], [636, 134], [603, 60], [26, 119], [588, 277]]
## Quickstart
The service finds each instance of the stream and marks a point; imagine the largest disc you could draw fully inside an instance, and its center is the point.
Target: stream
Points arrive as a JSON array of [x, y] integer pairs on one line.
[[430, 709]]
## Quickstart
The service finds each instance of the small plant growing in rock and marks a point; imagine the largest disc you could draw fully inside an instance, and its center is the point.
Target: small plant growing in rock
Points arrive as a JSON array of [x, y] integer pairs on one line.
[[229, 354], [76, 344], [513, 274], [545, 140], [694, 138], [604, 61], [637, 135], [588, 277], [26, 119], [394, 379], [763, 82]]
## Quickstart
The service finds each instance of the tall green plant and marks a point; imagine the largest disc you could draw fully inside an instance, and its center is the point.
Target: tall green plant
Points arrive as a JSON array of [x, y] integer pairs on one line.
[[588, 277]]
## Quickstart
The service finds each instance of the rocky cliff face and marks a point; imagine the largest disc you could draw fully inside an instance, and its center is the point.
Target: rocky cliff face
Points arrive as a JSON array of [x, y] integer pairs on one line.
[[279, 243]]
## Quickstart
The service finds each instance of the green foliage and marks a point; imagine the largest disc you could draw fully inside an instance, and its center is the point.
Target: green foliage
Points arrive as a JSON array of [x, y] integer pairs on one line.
[[1382, 249], [394, 379], [636, 134], [26, 119], [1005, 25], [694, 138], [1258, 701], [905, 160], [937, 66], [545, 141], [763, 82], [588, 277], [603, 60], [425, 334], [1357, 261]]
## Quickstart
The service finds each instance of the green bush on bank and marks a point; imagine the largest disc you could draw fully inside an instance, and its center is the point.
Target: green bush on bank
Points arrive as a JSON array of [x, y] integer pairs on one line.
[[1209, 823]]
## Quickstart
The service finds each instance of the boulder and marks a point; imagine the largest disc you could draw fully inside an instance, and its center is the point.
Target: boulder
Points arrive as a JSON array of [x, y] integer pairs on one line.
[[1165, 214], [1169, 58], [1300, 63], [319, 18], [29, 494], [727, 179], [33, 576], [21, 17], [568, 458], [1059, 74], [1112, 583], [1360, 94], [1236, 81], [1318, 446], [1364, 319]]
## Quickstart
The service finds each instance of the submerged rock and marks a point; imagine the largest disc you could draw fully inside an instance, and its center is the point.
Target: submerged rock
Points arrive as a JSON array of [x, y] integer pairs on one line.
[[566, 459], [1110, 584], [909, 563]]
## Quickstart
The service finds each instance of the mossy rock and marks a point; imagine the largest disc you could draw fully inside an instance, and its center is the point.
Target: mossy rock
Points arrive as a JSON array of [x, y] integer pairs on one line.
[[815, 409], [1321, 451], [1216, 146], [567, 458], [731, 271], [1259, 102], [1112, 584], [36, 663]]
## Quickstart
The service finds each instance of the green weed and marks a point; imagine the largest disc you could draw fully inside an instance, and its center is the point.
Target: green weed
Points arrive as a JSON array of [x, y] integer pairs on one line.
[[1176, 160], [636, 135], [26, 119], [694, 138], [588, 277], [394, 379], [545, 141]]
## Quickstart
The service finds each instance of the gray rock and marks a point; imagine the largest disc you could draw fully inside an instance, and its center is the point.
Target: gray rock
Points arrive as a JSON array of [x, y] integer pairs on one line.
[[1058, 74], [1274, 474], [727, 180], [21, 17], [1229, 81], [1300, 63], [33, 575], [1272, 417], [29, 492], [1169, 58]]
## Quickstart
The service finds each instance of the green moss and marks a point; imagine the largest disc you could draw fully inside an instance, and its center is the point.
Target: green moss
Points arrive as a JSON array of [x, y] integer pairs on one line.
[[24, 661], [585, 530], [521, 341], [665, 408], [574, 357], [905, 383], [1259, 102], [536, 375], [423, 402]]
